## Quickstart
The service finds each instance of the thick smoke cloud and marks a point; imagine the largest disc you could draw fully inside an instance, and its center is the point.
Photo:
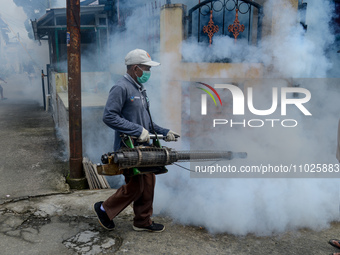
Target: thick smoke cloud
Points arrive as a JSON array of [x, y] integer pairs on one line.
[[266, 206], [21, 59]]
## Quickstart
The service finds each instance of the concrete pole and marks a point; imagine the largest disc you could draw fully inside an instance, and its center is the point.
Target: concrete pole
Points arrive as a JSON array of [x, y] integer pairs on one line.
[[74, 89]]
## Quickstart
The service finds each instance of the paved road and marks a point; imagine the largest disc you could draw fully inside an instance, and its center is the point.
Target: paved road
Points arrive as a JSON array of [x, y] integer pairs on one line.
[[29, 152], [39, 215], [31, 160]]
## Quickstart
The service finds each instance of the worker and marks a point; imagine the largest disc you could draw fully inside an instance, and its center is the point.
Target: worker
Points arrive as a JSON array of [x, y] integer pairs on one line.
[[336, 242], [1, 89], [126, 112]]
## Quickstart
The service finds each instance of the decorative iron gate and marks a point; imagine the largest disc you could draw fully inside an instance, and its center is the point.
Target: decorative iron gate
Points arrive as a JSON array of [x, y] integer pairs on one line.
[[239, 19]]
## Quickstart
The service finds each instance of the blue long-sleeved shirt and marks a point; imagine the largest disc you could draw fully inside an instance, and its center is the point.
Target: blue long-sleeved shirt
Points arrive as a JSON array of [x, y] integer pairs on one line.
[[126, 111]]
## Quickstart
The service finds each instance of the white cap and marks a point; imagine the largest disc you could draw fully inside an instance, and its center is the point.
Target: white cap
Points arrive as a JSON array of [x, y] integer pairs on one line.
[[139, 57]]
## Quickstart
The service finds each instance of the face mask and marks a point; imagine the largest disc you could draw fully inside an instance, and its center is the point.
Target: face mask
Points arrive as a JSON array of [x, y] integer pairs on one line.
[[145, 76]]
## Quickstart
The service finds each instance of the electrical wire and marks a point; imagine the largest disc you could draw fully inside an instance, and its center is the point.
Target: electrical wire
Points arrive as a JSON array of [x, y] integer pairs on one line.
[[185, 168], [188, 169], [12, 20], [46, 7]]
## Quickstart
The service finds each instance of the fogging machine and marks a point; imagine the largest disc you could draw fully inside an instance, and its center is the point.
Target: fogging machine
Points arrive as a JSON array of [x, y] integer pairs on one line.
[[132, 160]]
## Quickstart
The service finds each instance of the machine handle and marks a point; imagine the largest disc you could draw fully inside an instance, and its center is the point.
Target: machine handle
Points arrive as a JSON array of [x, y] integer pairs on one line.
[[161, 137]]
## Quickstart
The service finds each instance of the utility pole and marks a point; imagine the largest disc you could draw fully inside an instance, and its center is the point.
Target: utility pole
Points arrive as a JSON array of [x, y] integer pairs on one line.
[[76, 178]]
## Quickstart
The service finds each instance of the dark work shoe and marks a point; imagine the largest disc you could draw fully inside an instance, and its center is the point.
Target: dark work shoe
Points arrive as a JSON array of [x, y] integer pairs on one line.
[[154, 227], [102, 217]]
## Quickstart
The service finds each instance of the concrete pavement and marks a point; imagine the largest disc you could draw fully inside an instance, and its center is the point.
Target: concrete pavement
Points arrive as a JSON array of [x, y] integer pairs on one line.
[[31, 163], [66, 224], [40, 215]]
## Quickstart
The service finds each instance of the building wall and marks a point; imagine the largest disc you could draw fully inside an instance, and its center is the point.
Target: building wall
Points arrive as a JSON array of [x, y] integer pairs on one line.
[[90, 81], [94, 97], [172, 36]]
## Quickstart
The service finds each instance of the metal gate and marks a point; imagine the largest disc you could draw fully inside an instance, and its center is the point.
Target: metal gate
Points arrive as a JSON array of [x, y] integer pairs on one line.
[[239, 19]]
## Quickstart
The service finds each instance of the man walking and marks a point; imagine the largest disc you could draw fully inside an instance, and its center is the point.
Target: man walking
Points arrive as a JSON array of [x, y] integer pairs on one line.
[[126, 112], [2, 90], [336, 242]]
